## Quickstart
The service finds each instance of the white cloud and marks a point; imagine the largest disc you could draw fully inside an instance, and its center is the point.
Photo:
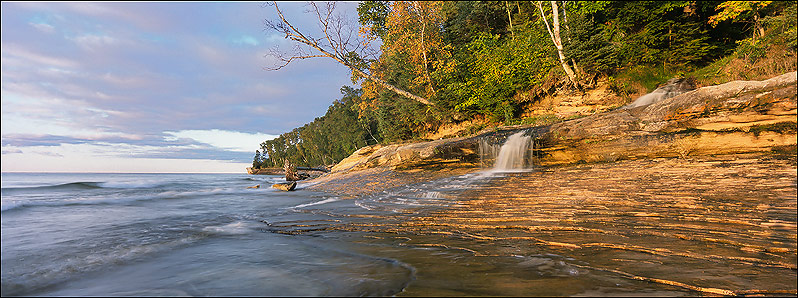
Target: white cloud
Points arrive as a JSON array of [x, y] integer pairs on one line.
[[14, 51], [101, 159], [246, 39], [46, 28], [94, 41], [223, 139]]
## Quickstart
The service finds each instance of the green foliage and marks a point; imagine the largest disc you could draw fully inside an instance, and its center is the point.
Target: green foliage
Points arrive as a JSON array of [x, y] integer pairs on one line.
[[465, 20], [372, 14], [257, 161], [487, 59], [493, 70], [326, 140]]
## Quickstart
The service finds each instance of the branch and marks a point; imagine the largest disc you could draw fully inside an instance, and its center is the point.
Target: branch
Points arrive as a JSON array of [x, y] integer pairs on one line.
[[336, 45]]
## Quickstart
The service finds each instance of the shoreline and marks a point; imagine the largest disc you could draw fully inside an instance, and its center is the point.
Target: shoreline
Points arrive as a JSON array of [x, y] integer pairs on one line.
[[689, 223]]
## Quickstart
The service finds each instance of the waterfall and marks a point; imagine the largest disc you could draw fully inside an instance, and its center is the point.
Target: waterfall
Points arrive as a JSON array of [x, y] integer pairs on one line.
[[514, 154], [670, 89]]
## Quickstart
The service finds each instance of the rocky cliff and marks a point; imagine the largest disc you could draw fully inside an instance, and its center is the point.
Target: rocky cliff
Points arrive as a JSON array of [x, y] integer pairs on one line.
[[731, 118], [736, 117]]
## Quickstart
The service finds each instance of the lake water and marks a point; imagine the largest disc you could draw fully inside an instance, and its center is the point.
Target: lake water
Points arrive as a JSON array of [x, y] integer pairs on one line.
[[208, 234]]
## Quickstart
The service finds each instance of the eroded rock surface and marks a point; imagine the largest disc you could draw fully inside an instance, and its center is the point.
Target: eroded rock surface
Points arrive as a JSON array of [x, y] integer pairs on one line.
[[732, 118], [736, 117]]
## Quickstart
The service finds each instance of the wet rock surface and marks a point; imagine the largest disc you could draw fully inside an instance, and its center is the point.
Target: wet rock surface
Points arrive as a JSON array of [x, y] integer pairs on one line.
[[709, 225], [726, 223], [288, 186]]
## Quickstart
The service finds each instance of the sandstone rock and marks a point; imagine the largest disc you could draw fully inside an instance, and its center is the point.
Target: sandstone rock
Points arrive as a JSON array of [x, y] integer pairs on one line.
[[256, 186], [287, 186], [736, 117]]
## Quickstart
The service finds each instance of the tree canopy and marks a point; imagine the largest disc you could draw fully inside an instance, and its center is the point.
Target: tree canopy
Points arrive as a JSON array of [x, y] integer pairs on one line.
[[482, 59]]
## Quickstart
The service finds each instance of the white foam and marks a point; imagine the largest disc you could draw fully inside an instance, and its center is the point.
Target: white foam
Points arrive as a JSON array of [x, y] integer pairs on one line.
[[131, 184], [364, 206], [10, 205], [236, 228], [317, 203]]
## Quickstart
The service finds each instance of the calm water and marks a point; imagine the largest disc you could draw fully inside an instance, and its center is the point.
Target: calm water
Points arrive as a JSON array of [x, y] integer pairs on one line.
[[208, 234]]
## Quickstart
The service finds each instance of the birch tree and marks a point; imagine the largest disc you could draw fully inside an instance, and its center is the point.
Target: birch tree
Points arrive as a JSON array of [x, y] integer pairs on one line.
[[554, 33], [340, 42]]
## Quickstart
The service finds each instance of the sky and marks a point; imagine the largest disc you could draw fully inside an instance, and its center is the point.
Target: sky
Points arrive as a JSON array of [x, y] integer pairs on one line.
[[150, 87]]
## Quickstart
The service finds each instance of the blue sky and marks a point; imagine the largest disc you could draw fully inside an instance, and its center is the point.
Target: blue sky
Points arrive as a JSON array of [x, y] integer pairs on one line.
[[152, 87]]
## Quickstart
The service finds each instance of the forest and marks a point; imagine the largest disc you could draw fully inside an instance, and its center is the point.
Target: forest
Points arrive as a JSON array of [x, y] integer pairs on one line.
[[445, 62]]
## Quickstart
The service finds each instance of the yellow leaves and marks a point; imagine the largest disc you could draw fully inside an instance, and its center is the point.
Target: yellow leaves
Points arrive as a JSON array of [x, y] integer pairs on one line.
[[414, 40], [730, 10], [367, 34]]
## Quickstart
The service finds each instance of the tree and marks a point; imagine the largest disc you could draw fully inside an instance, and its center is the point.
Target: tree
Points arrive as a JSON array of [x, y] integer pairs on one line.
[[413, 30], [740, 11], [257, 161], [340, 42], [554, 32], [372, 16]]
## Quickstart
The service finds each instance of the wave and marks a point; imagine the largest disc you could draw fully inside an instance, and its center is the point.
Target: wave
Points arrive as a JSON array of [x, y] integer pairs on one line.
[[317, 203], [64, 186], [64, 269], [85, 185], [236, 228], [10, 204]]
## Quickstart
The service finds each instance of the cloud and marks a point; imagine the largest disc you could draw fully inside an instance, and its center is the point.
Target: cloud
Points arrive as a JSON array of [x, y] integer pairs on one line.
[[227, 140], [46, 28], [150, 81], [94, 42], [16, 51], [11, 151], [246, 40], [94, 158], [48, 140]]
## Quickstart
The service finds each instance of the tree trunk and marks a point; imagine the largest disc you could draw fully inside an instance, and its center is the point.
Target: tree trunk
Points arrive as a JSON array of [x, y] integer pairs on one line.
[[758, 25], [555, 37], [290, 171], [510, 18], [371, 77], [424, 48]]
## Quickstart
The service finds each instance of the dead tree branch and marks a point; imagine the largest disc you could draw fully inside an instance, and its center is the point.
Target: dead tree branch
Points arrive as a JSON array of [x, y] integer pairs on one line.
[[340, 42]]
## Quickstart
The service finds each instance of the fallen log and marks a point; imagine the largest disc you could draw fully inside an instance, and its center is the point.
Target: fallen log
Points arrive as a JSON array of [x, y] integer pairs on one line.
[[313, 169]]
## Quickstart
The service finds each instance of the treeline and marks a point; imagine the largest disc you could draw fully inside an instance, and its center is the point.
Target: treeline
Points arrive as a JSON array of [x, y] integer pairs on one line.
[[324, 141], [488, 59]]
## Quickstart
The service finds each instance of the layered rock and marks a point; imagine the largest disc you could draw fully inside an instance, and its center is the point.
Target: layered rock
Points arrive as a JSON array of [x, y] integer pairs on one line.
[[736, 117], [731, 118]]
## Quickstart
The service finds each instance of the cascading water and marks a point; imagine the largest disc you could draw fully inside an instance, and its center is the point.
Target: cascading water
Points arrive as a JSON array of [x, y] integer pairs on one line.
[[671, 88], [513, 155]]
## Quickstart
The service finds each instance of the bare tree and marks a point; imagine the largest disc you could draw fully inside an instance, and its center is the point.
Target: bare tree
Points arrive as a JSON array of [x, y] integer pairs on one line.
[[554, 33], [340, 42]]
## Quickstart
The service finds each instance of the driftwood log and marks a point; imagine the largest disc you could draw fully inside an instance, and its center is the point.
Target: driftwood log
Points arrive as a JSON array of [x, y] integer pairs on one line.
[[313, 169], [290, 171]]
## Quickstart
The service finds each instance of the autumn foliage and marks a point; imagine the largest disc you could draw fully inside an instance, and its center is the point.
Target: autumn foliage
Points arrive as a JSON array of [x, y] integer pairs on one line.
[[483, 59]]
